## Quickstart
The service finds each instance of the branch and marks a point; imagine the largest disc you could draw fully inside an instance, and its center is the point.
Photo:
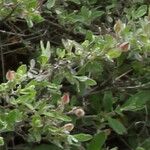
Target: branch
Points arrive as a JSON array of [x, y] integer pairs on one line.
[[145, 85], [2, 61]]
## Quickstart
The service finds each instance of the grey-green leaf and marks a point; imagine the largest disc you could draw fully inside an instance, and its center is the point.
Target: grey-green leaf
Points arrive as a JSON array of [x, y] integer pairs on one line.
[[136, 101], [1, 141], [83, 137], [22, 70], [107, 101], [50, 3], [86, 79], [141, 11], [116, 125]]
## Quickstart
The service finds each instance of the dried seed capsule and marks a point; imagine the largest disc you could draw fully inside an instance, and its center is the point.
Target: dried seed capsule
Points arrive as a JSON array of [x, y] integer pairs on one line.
[[68, 127], [79, 112], [10, 75]]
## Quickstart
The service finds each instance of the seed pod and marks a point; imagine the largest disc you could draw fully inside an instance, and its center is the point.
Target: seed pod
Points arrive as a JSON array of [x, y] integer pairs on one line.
[[65, 98], [79, 112], [10, 75], [68, 127]]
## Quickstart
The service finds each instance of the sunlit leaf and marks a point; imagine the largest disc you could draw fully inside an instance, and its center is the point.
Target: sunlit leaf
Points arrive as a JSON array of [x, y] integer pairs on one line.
[[82, 137]]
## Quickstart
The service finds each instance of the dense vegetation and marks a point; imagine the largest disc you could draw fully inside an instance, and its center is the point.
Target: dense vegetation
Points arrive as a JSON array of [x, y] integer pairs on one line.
[[74, 75]]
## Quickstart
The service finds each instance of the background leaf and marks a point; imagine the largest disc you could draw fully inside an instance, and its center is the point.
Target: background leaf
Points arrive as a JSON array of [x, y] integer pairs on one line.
[[116, 125], [136, 101], [1, 141], [83, 137], [97, 142]]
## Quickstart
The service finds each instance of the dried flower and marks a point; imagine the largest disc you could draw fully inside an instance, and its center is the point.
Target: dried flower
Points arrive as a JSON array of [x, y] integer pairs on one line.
[[65, 98], [10, 75], [68, 127], [79, 112]]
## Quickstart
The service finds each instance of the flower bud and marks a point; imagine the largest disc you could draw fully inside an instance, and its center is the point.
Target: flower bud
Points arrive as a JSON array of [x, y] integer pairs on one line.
[[65, 98], [124, 47], [10, 75], [79, 112], [68, 127]]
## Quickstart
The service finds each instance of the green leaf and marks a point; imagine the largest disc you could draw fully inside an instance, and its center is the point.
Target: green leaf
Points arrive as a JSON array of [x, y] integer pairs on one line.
[[87, 80], [114, 148], [140, 148], [46, 147], [83, 137], [29, 89], [29, 22], [57, 115], [68, 44], [60, 52], [50, 4], [45, 50], [43, 59], [114, 53], [29, 106], [1, 141], [36, 121], [141, 11], [14, 116], [146, 144], [116, 125], [92, 1], [3, 125], [90, 82], [96, 14], [107, 101], [76, 1], [22, 70], [97, 142], [136, 101]]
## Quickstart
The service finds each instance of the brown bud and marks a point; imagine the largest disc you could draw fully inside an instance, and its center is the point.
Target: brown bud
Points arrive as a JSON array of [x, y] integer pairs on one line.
[[68, 127], [65, 98], [10, 75], [79, 112]]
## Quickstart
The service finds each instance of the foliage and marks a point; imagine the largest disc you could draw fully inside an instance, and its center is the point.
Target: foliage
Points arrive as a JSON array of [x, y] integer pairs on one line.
[[92, 89]]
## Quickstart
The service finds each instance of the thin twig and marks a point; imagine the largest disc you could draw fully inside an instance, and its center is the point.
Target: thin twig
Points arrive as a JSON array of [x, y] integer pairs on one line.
[[146, 85], [2, 62], [10, 44], [130, 148], [17, 34], [123, 74], [145, 121]]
